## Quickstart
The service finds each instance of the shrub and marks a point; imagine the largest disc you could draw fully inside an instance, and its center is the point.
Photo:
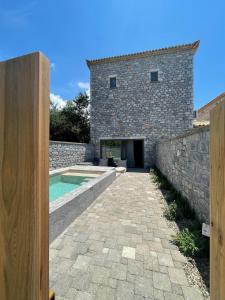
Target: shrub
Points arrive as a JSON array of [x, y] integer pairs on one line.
[[191, 243], [171, 212]]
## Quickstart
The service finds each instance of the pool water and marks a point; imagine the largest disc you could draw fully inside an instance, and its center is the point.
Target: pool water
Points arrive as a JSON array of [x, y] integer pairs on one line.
[[60, 185]]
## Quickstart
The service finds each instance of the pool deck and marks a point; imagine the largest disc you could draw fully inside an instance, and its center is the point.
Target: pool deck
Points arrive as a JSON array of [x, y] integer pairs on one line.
[[119, 248]]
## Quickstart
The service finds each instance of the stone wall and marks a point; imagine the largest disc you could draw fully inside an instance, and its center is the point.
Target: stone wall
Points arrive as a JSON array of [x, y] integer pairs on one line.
[[62, 154], [137, 107], [184, 160]]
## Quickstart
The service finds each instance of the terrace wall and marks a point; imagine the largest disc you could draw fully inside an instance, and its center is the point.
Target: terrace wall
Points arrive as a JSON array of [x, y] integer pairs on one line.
[[184, 160], [63, 154]]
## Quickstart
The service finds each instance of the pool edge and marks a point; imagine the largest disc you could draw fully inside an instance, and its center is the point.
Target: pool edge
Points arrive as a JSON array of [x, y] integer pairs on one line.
[[66, 209]]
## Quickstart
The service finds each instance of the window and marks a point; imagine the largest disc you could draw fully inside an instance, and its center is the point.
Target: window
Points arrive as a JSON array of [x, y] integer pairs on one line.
[[112, 82], [111, 149], [154, 76]]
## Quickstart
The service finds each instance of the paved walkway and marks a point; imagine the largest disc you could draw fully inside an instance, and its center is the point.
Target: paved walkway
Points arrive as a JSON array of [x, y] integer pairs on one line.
[[119, 248]]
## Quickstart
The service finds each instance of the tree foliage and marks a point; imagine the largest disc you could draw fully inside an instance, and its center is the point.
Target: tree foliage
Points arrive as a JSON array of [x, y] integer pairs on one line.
[[71, 123]]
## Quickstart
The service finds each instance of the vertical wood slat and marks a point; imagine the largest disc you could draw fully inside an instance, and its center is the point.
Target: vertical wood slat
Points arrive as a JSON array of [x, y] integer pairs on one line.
[[24, 207], [217, 202]]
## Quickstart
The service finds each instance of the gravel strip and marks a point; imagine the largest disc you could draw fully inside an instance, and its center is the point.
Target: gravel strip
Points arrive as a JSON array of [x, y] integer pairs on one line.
[[196, 269]]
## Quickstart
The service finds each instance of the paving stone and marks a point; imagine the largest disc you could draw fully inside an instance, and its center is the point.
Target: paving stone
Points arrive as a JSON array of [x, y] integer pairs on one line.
[[171, 296], [82, 262], [68, 252], [81, 237], [168, 244], [155, 246], [87, 259], [158, 294], [165, 259], [161, 281], [81, 280], [144, 287], [124, 261], [110, 243], [112, 282], [105, 250], [57, 244], [62, 285], [138, 297], [128, 252], [125, 290], [148, 274], [71, 294], [131, 277], [177, 256], [98, 260], [99, 274], [119, 271], [163, 269], [96, 246], [93, 288], [105, 293], [191, 293], [177, 289], [83, 296], [82, 248], [177, 276], [114, 255], [135, 267], [148, 236]]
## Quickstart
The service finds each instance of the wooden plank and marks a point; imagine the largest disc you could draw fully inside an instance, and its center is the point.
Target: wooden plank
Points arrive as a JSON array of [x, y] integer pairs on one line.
[[217, 202], [24, 207]]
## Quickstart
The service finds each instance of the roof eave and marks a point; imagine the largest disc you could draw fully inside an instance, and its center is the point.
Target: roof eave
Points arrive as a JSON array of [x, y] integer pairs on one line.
[[193, 46]]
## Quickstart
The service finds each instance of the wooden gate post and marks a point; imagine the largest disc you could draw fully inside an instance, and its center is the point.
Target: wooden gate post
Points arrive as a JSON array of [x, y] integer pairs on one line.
[[217, 202], [24, 207]]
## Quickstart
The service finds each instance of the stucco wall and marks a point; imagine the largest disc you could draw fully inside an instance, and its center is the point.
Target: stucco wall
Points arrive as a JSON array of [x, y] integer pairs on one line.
[[62, 154], [184, 160], [139, 108]]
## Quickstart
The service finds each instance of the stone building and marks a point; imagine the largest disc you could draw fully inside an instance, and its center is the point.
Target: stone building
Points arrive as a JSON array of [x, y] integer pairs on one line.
[[137, 99], [203, 114]]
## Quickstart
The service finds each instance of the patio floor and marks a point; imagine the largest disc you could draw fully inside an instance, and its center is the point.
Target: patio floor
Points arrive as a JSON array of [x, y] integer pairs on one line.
[[119, 248]]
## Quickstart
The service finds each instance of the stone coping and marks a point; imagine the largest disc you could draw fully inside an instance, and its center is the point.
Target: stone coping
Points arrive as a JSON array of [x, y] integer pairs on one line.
[[72, 143], [186, 133]]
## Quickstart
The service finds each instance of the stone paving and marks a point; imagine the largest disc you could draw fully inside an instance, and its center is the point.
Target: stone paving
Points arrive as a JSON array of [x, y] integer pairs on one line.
[[120, 249]]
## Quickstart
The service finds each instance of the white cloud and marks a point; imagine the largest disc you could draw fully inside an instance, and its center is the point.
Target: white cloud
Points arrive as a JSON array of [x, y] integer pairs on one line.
[[53, 66], [85, 86], [57, 100]]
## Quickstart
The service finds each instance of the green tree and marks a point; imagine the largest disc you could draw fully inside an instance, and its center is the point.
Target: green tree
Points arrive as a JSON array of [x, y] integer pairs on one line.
[[71, 123]]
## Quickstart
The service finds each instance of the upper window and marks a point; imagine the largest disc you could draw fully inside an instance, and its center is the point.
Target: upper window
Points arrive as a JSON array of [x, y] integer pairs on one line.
[[154, 76], [112, 82]]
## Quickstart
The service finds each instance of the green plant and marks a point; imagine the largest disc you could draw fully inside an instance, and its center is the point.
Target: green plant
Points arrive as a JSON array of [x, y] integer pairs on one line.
[[190, 242], [171, 212]]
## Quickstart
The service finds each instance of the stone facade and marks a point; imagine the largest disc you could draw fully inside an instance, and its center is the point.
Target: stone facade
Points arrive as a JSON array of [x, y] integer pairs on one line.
[[184, 160], [138, 108], [62, 154]]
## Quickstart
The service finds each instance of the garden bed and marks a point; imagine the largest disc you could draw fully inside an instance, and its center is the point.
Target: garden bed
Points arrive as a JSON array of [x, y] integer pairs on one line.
[[183, 220]]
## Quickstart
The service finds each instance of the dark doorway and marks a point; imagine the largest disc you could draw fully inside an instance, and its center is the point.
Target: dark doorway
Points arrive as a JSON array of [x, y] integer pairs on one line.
[[138, 153]]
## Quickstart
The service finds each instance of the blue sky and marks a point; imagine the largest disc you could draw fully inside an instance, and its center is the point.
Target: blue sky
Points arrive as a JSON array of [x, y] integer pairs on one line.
[[70, 31]]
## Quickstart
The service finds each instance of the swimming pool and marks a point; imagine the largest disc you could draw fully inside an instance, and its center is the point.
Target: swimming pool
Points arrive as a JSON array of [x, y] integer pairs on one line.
[[60, 185], [72, 190]]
